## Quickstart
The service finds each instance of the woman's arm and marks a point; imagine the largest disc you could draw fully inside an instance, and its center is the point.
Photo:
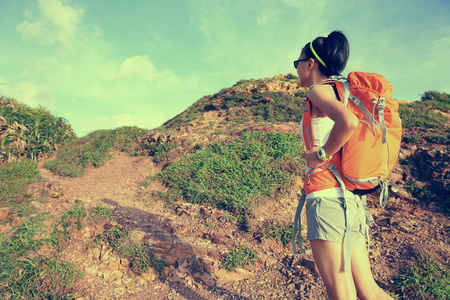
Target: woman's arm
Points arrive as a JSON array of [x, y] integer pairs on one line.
[[345, 122]]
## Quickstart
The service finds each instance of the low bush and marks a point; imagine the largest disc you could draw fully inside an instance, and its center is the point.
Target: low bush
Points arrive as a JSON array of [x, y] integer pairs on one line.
[[26, 275], [281, 232], [14, 179], [94, 149], [439, 100], [426, 279], [30, 133], [140, 256], [416, 115], [240, 256], [234, 176]]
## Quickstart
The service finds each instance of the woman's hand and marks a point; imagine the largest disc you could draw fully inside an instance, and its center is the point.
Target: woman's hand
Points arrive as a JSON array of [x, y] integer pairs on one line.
[[311, 158]]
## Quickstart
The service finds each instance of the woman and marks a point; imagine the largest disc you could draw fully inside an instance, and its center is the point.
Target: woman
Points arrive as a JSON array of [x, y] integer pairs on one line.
[[332, 125]]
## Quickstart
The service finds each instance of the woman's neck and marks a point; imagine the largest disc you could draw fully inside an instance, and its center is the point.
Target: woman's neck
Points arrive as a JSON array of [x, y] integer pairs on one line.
[[318, 77]]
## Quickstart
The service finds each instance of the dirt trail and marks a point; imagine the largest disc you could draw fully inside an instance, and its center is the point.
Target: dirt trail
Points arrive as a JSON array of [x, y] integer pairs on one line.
[[118, 178]]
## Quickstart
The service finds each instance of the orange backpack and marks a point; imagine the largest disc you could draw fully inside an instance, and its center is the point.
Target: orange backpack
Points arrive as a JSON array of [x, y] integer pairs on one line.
[[369, 156]]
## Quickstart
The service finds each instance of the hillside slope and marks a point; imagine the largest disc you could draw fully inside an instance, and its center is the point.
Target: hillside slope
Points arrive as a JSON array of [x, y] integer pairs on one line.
[[202, 207]]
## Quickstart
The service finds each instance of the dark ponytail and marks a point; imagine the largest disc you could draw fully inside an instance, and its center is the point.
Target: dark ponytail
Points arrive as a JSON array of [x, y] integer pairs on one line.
[[333, 50]]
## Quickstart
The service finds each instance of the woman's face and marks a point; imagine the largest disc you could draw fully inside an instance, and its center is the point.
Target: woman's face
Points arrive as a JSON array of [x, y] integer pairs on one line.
[[301, 68]]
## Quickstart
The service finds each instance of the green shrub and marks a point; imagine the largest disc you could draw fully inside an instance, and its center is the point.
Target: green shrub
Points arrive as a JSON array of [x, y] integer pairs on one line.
[[426, 279], [94, 150], [159, 151], [412, 138], [234, 176], [442, 139], [30, 133], [281, 232], [439, 100], [417, 115], [241, 256], [14, 179], [140, 256], [26, 275]]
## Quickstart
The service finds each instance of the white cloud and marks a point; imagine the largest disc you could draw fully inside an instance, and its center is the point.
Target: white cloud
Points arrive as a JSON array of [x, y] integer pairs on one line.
[[310, 5], [28, 93], [56, 22], [268, 16], [135, 78], [135, 66], [442, 43]]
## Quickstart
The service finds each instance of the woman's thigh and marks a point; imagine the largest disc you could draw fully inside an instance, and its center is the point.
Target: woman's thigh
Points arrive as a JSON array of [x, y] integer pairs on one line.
[[365, 284], [330, 261]]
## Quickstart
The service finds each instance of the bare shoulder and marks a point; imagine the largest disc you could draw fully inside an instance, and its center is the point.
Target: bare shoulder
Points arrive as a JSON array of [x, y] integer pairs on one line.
[[321, 93]]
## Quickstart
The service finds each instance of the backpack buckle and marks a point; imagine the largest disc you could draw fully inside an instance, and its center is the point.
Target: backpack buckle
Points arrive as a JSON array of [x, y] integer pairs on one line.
[[382, 103]]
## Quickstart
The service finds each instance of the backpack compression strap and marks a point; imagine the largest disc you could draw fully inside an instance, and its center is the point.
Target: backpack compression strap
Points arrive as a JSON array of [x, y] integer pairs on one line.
[[298, 224]]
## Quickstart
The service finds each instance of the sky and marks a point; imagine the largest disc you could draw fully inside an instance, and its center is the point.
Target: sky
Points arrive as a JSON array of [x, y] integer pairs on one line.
[[103, 64]]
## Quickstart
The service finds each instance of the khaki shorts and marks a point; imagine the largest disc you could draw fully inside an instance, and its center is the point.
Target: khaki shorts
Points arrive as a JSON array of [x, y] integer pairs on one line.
[[326, 219]]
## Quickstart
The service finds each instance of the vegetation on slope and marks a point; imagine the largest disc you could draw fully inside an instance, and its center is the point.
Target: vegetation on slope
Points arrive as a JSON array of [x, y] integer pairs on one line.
[[237, 175], [427, 129], [257, 100], [24, 272], [428, 279], [94, 149], [30, 133]]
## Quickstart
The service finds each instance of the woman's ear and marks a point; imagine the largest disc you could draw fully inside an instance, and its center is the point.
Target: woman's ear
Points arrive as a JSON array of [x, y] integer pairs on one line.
[[311, 63]]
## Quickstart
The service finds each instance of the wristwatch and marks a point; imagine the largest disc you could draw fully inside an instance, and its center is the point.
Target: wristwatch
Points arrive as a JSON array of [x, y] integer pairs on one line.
[[322, 155]]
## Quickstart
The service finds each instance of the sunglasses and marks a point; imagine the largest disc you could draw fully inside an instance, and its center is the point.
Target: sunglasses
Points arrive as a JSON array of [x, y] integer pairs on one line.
[[296, 62]]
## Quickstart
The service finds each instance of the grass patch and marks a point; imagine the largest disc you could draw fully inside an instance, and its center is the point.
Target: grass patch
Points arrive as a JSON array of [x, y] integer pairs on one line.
[[38, 277], [30, 133], [417, 115], [412, 138], [269, 106], [94, 150], [241, 256], [140, 256], [426, 279], [438, 100], [14, 179], [26, 275], [159, 151], [263, 106], [71, 221], [23, 273], [100, 212], [68, 223], [232, 176], [442, 139], [418, 192], [282, 232]]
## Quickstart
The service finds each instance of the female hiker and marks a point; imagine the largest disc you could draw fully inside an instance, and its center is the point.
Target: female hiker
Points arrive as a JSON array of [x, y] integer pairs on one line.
[[329, 213]]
